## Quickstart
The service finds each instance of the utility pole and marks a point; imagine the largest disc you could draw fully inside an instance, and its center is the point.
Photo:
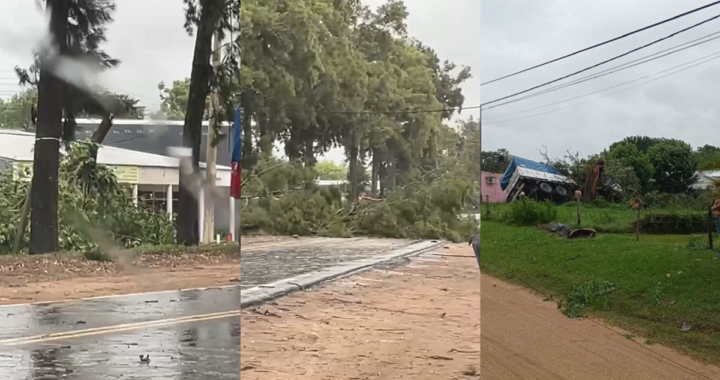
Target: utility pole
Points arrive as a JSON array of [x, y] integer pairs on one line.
[[211, 150], [479, 240]]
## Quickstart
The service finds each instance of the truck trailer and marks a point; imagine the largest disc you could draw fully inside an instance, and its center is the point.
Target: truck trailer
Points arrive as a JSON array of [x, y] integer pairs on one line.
[[536, 181]]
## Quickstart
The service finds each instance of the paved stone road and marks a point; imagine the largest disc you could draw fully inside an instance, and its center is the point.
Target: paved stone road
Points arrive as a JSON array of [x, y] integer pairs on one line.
[[276, 263]]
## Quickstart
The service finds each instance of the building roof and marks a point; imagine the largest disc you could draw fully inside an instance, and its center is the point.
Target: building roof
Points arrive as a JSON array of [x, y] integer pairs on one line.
[[146, 122], [714, 174], [19, 146]]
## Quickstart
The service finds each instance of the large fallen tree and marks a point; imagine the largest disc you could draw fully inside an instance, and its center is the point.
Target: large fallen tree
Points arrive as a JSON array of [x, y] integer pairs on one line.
[[282, 198]]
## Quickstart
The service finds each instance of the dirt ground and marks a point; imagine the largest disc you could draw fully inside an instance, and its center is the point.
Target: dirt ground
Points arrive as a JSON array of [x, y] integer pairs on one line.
[[30, 279], [524, 337], [420, 321], [44, 278]]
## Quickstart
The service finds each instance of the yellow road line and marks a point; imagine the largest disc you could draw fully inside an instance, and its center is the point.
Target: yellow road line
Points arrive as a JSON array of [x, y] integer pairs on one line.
[[117, 328]]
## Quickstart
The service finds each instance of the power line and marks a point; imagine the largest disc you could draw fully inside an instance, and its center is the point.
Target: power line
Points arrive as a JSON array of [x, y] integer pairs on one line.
[[707, 58], [605, 61], [612, 70], [605, 42], [407, 111]]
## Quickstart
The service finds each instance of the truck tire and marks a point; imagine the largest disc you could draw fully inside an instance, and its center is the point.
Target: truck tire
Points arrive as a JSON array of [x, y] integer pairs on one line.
[[545, 187], [562, 191]]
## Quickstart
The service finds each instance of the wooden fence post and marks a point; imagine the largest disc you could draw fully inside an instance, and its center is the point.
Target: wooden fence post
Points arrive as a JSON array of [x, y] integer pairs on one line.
[[711, 224], [637, 225]]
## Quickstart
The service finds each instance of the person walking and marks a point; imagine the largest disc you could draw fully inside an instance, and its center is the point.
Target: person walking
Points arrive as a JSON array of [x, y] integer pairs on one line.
[[716, 210]]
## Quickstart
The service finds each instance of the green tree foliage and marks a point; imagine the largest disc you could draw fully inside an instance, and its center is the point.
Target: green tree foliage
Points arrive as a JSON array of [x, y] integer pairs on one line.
[[497, 161], [674, 165], [329, 170], [15, 113], [708, 157], [319, 74], [174, 99], [643, 143], [627, 154], [96, 212]]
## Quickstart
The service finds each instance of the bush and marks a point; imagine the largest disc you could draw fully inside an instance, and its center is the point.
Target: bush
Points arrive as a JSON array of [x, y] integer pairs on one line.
[[585, 296], [697, 200], [698, 242], [527, 212], [673, 223], [93, 208]]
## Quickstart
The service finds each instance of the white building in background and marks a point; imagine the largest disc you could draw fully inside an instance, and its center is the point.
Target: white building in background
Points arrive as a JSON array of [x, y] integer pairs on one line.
[[706, 179], [154, 178]]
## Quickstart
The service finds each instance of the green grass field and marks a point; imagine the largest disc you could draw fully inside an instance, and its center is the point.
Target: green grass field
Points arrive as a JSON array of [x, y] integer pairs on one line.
[[650, 287]]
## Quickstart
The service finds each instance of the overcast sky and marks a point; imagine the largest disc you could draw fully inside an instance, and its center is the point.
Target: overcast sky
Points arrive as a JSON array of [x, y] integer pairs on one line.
[[152, 45], [516, 34]]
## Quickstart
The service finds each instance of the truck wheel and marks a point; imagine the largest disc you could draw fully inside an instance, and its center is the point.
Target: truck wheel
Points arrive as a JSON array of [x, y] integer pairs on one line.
[[545, 188], [562, 191]]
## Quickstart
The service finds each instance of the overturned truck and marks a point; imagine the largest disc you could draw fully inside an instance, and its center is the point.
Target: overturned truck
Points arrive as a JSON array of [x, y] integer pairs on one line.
[[536, 181]]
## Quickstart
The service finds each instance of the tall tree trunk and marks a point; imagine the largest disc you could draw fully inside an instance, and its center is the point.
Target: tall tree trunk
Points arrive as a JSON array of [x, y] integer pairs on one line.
[[247, 143], [375, 172], [266, 137], [46, 158], [309, 154], [187, 220], [354, 165], [101, 132]]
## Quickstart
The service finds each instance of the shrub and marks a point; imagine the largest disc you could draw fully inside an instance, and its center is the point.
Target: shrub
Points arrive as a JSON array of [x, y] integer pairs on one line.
[[698, 242], [584, 296], [673, 223], [93, 208], [526, 212]]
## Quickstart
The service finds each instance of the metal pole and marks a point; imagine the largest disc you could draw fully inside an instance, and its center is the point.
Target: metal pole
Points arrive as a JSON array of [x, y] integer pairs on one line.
[[232, 219], [479, 244], [201, 215]]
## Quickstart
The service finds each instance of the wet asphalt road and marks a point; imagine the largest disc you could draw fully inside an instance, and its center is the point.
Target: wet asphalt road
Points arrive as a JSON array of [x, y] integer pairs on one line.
[[106, 336], [285, 261], [189, 335]]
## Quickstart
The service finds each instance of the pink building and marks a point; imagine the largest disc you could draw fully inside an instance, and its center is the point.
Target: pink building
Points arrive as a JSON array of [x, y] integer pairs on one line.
[[490, 188]]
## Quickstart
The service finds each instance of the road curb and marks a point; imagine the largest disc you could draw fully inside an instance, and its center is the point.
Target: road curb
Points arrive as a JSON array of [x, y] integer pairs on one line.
[[285, 287]]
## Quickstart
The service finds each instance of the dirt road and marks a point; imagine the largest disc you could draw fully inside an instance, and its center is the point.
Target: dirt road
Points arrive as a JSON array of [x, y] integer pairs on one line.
[[524, 337], [419, 321], [30, 279]]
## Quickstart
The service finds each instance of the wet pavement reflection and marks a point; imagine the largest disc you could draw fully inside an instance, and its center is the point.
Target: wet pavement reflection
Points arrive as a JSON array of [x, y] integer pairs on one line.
[[277, 263], [197, 350]]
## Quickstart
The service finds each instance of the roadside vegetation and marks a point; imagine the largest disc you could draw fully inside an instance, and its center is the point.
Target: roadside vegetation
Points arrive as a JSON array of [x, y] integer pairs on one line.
[[663, 287]]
